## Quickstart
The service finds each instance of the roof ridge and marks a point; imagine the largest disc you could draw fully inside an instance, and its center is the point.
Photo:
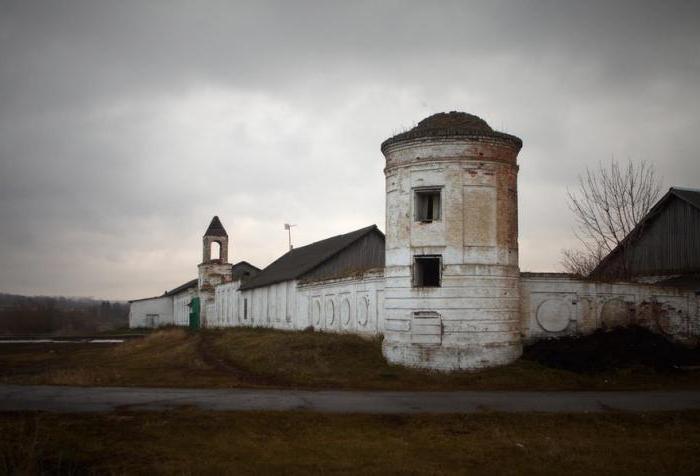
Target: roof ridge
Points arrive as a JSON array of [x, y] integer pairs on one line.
[[328, 256], [299, 261], [366, 229], [686, 189], [649, 215]]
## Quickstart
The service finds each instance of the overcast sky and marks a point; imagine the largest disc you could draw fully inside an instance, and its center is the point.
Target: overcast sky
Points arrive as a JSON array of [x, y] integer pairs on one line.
[[125, 126]]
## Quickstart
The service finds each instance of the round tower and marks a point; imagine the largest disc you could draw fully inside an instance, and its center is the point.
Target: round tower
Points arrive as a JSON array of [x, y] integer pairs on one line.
[[452, 276]]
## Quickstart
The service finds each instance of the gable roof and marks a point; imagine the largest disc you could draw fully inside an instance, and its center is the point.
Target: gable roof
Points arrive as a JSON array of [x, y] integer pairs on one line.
[[299, 261], [688, 195], [243, 270], [189, 284], [183, 287], [215, 228]]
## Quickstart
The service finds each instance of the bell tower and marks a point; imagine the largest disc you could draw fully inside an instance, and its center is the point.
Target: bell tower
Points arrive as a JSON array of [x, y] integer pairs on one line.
[[215, 236], [214, 268]]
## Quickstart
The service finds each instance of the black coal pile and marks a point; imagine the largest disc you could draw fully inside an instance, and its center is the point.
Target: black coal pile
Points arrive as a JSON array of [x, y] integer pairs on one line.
[[606, 350]]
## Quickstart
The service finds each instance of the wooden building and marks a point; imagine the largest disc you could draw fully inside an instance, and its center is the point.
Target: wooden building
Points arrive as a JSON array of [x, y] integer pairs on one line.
[[664, 247]]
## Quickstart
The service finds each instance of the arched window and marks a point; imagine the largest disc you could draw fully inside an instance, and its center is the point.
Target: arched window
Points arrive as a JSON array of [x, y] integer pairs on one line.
[[215, 250]]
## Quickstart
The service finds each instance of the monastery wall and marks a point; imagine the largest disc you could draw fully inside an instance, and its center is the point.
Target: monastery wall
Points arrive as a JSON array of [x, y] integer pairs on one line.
[[181, 308], [338, 305], [354, 305], [555, 305], [154, 312], [552, 305]]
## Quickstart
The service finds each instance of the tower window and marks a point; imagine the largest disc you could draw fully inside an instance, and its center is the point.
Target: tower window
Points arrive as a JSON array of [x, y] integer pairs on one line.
[[215, 250], [245, 308], [427, 204], [426, 271]]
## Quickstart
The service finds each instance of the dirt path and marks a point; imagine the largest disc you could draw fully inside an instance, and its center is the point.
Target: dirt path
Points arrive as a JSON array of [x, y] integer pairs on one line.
[[104, 399], [204, 349]]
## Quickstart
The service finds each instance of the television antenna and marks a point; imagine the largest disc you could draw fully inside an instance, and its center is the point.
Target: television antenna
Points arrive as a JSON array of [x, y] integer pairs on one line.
[[288, 227]]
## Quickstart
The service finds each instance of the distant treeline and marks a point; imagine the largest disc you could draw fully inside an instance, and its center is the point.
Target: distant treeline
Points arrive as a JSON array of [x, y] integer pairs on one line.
[[22, 315]]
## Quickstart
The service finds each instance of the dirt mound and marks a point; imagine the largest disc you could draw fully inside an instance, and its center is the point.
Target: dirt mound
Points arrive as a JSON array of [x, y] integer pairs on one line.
[[619, 348]]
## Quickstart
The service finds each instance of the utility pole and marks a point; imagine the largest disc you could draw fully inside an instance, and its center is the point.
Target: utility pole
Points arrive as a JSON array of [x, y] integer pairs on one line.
[[288, 227]]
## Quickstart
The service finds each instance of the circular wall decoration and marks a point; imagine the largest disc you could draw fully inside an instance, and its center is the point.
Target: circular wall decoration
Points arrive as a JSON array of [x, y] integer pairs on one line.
[[316, 316], [553, 315], [363, 311], [345, 312], [330, 312], [614, 313]]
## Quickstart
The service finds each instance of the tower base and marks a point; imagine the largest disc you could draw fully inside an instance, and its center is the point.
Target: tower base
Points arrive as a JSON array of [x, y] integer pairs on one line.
[[449, 358]]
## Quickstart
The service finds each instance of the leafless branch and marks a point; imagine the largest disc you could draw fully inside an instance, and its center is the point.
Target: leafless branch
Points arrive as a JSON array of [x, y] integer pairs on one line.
[[607, 204]]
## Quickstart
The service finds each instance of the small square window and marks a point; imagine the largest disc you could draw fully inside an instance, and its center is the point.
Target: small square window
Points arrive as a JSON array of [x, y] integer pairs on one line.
[[426, 271], [427, 205]]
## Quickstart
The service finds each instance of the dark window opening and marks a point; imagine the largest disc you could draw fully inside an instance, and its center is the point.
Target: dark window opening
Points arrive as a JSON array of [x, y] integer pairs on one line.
[[245, 308], [427, 205], [426, 271]]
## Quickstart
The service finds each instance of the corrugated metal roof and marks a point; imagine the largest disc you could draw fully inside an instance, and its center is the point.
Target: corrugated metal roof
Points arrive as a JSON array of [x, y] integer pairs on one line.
[[299, 261], [689, 195]]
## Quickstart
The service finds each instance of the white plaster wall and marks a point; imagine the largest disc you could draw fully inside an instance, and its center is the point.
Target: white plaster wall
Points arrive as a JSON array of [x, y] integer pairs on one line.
[[181, 308], [155, 312], [554, 305], [352, 305], [226, 305], [272, 306]]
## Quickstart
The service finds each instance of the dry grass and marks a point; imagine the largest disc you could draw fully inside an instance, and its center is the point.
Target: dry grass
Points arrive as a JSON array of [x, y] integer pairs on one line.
[[245, 357], [164, 358], [318, 360], [194, 442]]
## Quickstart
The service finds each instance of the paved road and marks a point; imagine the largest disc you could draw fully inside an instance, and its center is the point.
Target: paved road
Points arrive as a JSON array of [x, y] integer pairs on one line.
[[104, 399]]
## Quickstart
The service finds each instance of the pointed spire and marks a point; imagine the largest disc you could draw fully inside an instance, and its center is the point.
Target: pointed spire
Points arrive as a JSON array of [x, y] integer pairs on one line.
[[215, 228]]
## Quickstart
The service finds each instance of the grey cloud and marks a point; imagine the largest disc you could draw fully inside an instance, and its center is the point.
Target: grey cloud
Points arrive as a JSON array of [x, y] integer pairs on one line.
[[125, 125]]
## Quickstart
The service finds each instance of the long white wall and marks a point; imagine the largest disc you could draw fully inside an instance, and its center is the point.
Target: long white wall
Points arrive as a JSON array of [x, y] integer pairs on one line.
[[155, 312], [554, 305], [181, 308], [551, 305], [342, 305], [345, 305]]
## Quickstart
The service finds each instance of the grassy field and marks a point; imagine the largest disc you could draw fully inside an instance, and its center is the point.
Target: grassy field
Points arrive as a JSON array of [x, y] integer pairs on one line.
[[245, 357], [192, 442]]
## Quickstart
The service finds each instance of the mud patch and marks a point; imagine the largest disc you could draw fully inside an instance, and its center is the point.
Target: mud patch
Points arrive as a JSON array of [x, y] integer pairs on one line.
[[618, 348]]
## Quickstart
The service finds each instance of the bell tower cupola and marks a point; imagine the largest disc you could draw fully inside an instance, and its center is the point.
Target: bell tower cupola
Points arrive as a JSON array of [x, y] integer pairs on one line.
[[215, 243]]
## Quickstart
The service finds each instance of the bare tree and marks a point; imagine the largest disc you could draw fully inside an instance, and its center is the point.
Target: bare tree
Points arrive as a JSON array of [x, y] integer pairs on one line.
[[607, 204]]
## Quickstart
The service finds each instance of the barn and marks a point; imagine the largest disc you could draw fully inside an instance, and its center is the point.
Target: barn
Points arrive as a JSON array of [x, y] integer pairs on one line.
[[664, 248]]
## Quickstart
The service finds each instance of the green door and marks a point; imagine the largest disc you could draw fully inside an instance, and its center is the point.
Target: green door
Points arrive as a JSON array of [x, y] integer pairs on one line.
[[194, 313]]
